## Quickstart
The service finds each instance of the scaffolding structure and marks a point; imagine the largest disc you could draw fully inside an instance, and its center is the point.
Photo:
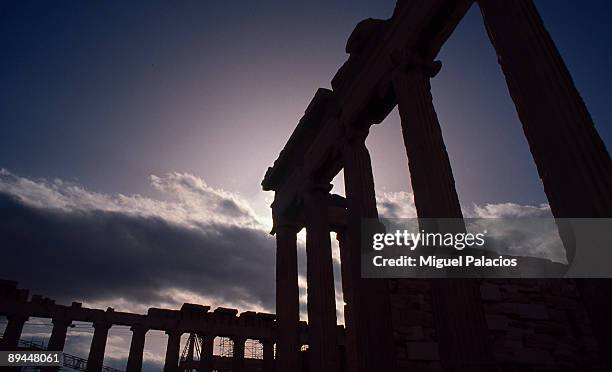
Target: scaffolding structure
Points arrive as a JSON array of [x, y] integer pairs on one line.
[[191, 352], [253, 349], [224, 347]]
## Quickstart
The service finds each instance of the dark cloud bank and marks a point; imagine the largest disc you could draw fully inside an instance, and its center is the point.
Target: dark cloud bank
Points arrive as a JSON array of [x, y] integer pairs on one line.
[[97, 255]]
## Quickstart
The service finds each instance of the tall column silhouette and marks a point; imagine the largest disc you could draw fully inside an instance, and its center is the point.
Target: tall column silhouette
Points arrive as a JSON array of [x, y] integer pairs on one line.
[[98, 346], [134, 363], [460, 322], [12, 332], [173, 350], [58, 334], [368, 301], [571, 158], [347, 290], [206, 354], [432, 179], [322, 334], [287, 297], [57, 339], [238, 353], [268, 355]]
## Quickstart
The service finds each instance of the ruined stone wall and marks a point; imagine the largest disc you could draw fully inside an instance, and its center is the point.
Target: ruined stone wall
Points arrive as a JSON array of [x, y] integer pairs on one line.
[[538, 323], [414, 330], [534, 325]]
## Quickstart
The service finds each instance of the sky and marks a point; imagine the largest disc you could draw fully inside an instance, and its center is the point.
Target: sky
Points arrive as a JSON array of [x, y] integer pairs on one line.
[[133, 137]]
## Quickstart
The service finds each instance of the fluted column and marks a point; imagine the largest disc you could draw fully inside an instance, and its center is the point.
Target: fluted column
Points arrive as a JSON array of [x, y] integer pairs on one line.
[[432, 179], [57, 339], [12, 332], [571, 158], [347, 290], [134, 363], [206, 354], [368, 324], [98, 346], [268, 355], [322, 337], [458, 313], [287, 297], [238, 353], [173, 350]]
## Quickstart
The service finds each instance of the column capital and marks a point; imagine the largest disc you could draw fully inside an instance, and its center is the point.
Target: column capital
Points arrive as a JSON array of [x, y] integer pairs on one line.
[[287, 225], [61, 322], [102, 325]]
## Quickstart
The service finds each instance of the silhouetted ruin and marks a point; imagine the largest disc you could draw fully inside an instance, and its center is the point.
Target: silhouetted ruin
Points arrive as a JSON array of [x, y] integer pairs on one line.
[[451, 325], [397, 324], [18, 307]]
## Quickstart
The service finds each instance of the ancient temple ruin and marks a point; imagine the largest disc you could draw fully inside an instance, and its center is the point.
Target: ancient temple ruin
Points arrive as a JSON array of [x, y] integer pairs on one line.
[[18, 307], [451, 325], [403, 324]]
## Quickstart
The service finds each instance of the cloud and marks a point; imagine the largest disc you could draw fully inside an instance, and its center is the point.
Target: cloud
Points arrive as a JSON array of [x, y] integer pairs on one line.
[[396, 205], [200, 245], [509, 210], [190, 202]]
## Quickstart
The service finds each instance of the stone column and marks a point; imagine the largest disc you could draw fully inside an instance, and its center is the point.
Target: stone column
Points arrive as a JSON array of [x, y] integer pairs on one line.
[[571, 158], [368, 322], [322, 336], [268, 355], [57, 339], [134, 363], [12, 332], [287, 297], [58, 334], [98, 346], [238, 353], [206, 354], [173, 350], [432, 179], [347, 290], [458, 313]]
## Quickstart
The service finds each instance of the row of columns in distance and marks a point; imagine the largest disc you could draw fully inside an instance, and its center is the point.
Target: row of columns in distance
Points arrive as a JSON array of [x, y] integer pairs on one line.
[[95, 359]]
